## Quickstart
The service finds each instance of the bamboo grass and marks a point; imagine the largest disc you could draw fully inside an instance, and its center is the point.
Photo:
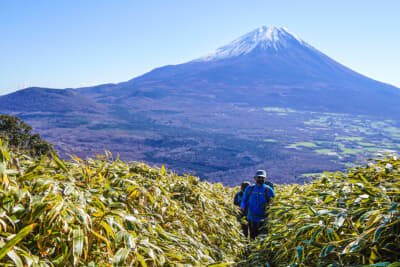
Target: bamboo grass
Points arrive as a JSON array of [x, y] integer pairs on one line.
[[103, 212], [340, 219]]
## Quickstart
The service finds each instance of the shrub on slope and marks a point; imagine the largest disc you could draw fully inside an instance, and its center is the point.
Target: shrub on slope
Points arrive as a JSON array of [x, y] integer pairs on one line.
[[99, 212], [349, 219]]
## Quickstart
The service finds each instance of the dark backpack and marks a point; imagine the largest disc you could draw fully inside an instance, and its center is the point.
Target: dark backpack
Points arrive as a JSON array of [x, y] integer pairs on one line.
[[238, 198], [269, 184]]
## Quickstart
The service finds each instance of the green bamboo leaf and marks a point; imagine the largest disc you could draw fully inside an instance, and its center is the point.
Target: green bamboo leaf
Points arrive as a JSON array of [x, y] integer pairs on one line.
[[16, 239], [28, 176], [378, 232], [322, 212], [326, 250], [378, 264], [141, 259], [163, 171], [4, 154], [339, 221], [59, 163], [60, 259], [37, 165], [78, 239], [121, 257], [15, 258], [394, 206], [108, 229], [37, 211], [221, 264], [355, 244], [368, 214], [306, 227], [330, 234], [395, 264], [105, 241], [300, 253], [316, 234]]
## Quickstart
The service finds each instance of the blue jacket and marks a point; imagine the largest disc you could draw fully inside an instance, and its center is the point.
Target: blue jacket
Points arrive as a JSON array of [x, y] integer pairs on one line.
[[257, 201]]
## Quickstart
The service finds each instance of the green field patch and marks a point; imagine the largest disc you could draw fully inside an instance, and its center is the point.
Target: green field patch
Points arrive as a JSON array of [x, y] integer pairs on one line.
[[279, 110], [351, 151], [311, 174], [303, 144], [372, 149], [388, 145], [324, 151], [348, 138], [324, 142], [392, 130], [349, 164], [366, 144], [378, 124]]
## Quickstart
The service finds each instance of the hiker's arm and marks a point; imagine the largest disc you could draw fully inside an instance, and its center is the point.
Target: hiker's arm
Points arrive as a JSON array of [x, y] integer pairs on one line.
[[270, 196], [272, 193]]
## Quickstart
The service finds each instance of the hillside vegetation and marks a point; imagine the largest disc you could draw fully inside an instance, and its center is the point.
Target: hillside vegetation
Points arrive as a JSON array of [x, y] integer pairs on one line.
[[20, 137], [340, 219], [105, 212], [100, 212]]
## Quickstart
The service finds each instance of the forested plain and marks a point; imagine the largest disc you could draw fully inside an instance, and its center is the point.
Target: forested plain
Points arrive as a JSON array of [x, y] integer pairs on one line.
[[223, 144]]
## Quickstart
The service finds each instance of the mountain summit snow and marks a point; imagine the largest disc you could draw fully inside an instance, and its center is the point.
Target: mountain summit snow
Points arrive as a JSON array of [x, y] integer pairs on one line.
[[263, 38]]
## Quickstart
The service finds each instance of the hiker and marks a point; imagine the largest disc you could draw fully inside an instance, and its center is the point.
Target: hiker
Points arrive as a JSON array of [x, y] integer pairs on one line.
[[255, 200], [236, 201]]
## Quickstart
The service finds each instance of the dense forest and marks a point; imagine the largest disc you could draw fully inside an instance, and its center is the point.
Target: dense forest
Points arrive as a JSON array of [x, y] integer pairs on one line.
[[21, 138]]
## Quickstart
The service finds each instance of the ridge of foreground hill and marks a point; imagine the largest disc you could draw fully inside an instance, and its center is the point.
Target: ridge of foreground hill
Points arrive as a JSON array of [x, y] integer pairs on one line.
[[104, 211], [36, 99]]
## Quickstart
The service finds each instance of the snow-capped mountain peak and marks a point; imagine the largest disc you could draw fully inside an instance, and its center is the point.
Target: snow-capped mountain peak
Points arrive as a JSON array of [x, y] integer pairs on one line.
[[275, 38]]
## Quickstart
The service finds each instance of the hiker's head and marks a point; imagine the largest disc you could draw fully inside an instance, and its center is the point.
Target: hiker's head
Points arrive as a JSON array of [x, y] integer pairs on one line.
[[244, 185], [260, 177]]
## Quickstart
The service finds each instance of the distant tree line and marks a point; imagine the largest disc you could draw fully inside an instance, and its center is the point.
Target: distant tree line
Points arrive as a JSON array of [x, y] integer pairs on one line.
[[20, 137]]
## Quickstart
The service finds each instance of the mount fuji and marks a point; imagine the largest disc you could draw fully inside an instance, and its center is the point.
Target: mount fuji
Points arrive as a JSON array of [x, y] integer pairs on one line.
[[266, 67], [214, 115]]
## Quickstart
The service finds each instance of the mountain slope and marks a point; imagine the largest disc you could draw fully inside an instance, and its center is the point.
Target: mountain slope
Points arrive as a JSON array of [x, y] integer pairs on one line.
[[268, 66], [37, 99]]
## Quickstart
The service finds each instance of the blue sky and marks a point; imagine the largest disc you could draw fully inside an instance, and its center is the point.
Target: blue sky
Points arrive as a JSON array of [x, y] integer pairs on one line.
[[75, 43]]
